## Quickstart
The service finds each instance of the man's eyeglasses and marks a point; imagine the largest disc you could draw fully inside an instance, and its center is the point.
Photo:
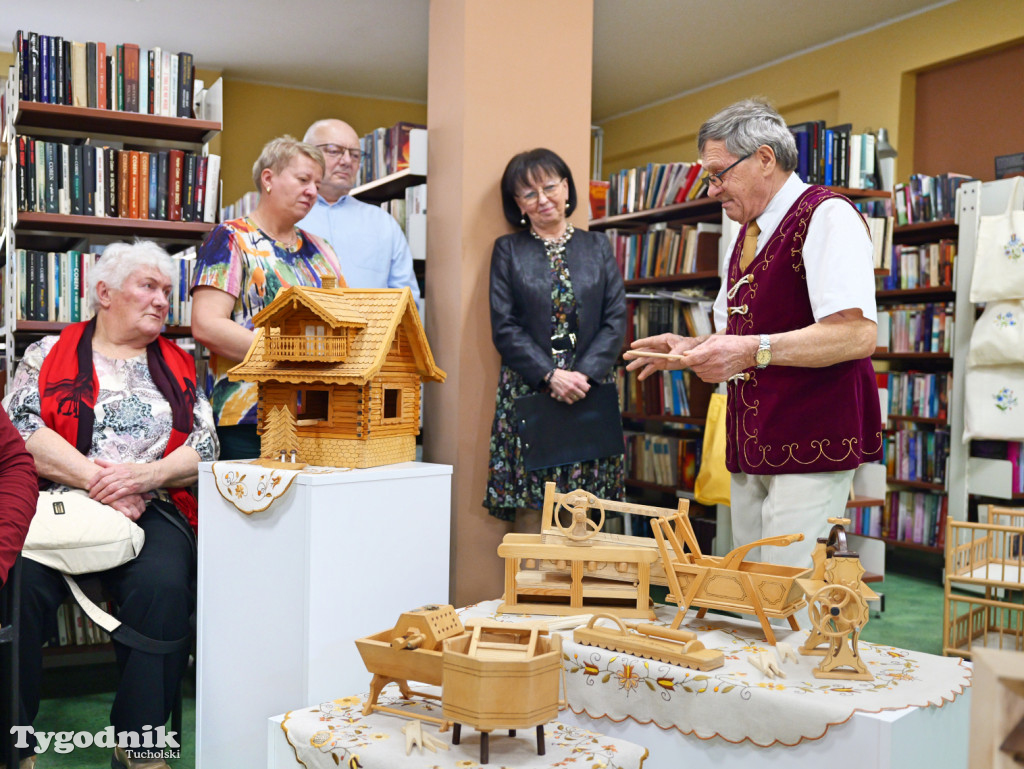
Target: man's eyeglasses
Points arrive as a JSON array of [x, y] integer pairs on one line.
[[716, 179], [549, 190], [336, 151]]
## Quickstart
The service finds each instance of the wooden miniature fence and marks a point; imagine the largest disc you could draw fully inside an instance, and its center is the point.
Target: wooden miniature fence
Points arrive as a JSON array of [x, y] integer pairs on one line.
[[986, 557]]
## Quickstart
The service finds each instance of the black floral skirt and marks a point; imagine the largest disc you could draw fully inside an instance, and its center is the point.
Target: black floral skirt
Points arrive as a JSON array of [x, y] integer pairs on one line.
[[510, 485]]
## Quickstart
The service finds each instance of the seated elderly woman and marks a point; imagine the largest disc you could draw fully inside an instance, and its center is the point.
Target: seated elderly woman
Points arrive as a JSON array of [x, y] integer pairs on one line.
[[112, 407]]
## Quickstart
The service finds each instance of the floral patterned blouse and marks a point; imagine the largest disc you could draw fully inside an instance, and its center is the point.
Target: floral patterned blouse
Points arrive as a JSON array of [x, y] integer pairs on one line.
[[133, 419]]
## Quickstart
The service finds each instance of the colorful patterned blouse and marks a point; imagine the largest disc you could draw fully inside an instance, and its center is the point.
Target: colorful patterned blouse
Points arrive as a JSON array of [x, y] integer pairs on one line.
[[133, 418], [240, 259]]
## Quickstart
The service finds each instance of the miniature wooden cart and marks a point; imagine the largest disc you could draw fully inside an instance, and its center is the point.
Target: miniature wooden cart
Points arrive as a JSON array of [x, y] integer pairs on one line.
[[573, 567], [729, 583], [501, 677], [411, 651]]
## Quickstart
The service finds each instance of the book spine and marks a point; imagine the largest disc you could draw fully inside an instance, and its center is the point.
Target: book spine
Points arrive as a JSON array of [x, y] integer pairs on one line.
[[89, 180], [212, 193], [165, 83], [34, 67], [75, 258], [124, 182], [188, 188], [64, 179], [119, 74], [57, 86], [77, 154], [162, 184], [51, 180], [202, 164], [102, 101], [175, 180], [90, 75], [144, 185], [154, 174], [130, 53], [111, 162], [133, 184], [22, 173], [174, 86], [185, 84], [152, 90], [44, 69]]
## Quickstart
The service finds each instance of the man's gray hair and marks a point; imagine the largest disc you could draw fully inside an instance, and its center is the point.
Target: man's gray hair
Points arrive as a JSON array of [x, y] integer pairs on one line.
[[745, 126], [119, 260]]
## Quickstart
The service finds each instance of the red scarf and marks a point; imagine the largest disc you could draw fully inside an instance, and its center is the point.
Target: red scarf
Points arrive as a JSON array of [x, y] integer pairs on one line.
[[68, 386]]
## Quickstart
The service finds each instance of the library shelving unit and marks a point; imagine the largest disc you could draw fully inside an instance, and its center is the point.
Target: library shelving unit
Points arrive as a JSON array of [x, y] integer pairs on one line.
[[644, 420], [394, 186], [56, 232], [62, 232], [918, 427]]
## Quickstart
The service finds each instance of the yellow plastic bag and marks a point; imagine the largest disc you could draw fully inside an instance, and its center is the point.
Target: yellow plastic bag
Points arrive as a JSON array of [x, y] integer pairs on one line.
[[713, 477]]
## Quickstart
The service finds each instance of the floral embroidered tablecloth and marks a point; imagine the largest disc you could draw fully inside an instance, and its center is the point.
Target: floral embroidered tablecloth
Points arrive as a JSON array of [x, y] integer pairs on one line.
[[253, 488], [337, 734], [736, 702]]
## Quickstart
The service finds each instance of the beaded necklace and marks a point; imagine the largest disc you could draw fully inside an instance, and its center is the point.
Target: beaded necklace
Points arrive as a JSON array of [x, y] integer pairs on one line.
[[555, 245]]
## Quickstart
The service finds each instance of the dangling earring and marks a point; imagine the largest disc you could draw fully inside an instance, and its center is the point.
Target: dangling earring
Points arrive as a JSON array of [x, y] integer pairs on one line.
[[522, 220], [567, 205]]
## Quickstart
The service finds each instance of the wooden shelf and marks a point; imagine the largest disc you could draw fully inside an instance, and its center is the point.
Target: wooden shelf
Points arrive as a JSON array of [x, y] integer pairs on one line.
[[691, 211], [924, 227], [852, 504], [883, 354], [673, 280], [916, 293], [902, 543], [668, 418], [938, 421], [858, 195], [29, 221], [923, 485], [130, 125], [387, 187]]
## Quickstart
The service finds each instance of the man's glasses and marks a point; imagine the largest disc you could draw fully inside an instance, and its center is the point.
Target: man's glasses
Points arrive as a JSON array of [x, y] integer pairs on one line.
[[716, 179], [336, 151], [549, 190]]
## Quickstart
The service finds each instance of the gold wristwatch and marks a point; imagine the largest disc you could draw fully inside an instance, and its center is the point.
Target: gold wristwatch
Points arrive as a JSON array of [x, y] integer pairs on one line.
[[763, 356]]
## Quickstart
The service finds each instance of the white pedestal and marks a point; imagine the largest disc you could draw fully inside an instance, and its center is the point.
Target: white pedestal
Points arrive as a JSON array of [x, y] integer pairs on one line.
[[909, 738], [284, 593]]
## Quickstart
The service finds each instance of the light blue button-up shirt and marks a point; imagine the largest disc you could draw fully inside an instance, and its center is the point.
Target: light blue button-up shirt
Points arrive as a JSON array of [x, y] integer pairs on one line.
[[370, 245]]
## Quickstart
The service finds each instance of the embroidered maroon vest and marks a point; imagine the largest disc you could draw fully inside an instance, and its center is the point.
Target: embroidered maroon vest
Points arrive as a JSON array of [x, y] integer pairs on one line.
[[785, 419]]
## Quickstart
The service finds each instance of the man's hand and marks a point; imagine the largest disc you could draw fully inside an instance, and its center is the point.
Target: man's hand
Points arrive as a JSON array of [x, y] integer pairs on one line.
[[672, 344], [116, 481], [568, 386], [720, 356]]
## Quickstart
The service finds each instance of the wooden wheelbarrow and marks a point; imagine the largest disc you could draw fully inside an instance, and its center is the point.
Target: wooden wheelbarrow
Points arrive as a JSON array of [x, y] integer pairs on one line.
[[727, 583]]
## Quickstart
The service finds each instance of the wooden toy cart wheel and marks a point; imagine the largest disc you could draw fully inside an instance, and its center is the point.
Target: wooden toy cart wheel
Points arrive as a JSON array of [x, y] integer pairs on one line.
[[830, 615], [578, 502]]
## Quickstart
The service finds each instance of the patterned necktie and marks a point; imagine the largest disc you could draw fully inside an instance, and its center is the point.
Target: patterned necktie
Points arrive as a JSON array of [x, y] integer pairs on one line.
[[749, 245]]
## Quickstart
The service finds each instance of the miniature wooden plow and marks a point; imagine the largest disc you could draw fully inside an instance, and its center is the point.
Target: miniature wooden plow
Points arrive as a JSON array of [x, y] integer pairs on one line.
[[653, 642], [728, 583]]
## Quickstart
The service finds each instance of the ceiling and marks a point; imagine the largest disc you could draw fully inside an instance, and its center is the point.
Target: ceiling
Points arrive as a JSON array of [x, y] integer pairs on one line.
[[644, 50]]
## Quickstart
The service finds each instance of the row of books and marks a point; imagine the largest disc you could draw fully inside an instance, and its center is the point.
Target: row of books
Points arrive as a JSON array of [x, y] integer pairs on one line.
[[929, 265], [54, 70], [662, 459], [385, 151], [89, 180], [880, 228], [654, 186], [917, 393], [686, 312], [915, 454], [910, 328], [1011, 451], [74, 628], [836, 156], [913, 516], [927, 198], [664, 393], [244, 206], [663, 249], [412, 203], [53, 286]]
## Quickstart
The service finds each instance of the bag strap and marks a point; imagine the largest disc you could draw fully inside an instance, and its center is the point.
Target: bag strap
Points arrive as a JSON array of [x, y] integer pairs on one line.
[[1015, 201], [119, 631]]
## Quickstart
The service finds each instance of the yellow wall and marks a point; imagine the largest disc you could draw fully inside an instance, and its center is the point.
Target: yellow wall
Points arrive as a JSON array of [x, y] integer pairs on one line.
[[255, 113], [867, 80]]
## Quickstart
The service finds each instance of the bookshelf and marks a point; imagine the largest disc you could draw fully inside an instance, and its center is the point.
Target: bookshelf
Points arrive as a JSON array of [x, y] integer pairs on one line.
[[29, 229]]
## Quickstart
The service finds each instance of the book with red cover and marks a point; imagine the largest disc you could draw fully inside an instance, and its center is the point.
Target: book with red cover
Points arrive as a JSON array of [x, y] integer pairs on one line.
[[202, 164], [124, 175], [598, 198], [176, 173], [131, 77], [684, 188]]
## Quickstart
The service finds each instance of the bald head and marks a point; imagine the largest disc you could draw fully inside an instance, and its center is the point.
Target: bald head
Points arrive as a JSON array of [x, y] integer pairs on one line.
[[334, 137]]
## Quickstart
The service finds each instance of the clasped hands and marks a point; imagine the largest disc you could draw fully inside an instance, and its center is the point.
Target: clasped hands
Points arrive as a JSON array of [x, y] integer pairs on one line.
[[568, 386], [125, 487], [714, 358]]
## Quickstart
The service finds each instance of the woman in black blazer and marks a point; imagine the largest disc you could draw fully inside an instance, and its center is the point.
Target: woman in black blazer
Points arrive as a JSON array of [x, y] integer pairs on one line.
[[558, 319]]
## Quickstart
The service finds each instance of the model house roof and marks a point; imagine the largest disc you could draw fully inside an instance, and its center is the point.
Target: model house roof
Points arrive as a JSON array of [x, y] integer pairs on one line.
[[375, 315]]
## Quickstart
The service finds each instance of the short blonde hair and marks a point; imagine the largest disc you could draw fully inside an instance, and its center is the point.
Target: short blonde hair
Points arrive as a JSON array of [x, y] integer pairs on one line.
[[278, 153], [119, 260]]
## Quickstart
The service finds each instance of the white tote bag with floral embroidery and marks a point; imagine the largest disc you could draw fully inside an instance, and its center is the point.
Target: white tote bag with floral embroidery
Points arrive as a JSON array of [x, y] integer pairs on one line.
[[994, 403], [999, 258], [998, 335]]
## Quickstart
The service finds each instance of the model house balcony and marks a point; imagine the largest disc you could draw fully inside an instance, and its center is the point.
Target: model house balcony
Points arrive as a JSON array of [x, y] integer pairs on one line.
[[330, 349]]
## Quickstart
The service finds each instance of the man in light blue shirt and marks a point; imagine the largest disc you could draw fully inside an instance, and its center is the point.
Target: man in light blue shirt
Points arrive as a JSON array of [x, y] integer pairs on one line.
[[368, 241]]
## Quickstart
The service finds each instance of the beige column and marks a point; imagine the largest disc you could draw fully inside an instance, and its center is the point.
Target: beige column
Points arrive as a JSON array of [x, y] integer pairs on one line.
[[503, 77]]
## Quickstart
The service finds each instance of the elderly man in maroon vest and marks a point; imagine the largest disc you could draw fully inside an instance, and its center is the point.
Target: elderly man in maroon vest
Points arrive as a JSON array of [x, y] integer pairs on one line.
[[796, 323]]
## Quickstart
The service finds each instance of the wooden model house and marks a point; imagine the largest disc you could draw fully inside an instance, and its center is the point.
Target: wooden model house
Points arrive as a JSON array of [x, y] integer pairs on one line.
[[347, 364]]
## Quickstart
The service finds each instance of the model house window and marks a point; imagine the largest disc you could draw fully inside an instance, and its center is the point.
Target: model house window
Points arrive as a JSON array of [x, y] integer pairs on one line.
[[315, 340], [392, 403], [312, 405]]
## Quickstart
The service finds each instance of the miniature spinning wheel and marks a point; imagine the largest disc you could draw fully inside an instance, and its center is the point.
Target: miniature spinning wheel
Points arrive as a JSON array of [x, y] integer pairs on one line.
[[838, 613], [578, 503]]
